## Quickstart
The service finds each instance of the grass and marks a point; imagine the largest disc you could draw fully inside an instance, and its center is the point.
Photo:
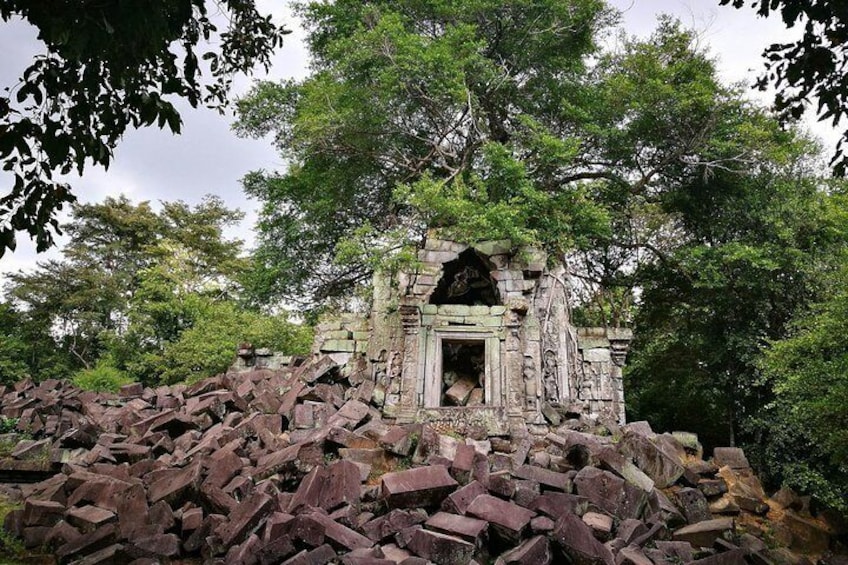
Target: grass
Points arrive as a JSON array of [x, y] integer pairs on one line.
[[10, 546]]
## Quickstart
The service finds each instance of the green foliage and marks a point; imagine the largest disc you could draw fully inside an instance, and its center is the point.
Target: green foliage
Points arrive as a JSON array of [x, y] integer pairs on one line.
[[811, 67], [104, 377], [808, 370], [208, 347], [108, 67], [8, 425], [419, 114]]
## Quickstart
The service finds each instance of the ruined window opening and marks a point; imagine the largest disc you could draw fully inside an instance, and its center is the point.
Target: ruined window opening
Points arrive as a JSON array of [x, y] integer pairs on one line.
[[463, 372], [466, 280]]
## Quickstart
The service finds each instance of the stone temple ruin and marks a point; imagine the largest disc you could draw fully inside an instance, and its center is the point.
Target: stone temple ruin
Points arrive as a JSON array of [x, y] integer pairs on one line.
[[480, 336]]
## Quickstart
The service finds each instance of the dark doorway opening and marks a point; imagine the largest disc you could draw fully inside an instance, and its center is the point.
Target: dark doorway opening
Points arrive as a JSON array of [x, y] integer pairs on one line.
[[463, 372], [466, 280]]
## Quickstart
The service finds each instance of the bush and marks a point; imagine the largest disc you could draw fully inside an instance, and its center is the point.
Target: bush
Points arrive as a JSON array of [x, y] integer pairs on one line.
[[102, 378]]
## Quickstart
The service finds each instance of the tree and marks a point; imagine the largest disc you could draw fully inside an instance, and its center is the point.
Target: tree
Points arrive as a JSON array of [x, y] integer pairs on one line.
[[751, 252], [812, 67], [482, 120], [806, 442], [112, 246], [109, 66]]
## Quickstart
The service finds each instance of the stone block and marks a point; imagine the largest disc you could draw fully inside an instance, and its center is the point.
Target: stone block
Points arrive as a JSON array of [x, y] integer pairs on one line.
[[548, 478], [341, 487], [704, 534], [89, 518], [577, 540], [610, 493], [732, 457], [247, 515], [419, 487], [441, 548], [655, 462], [458, 501], [458, 393], [694, 505], [601, 524], [469, 529], [534, 551], [393, 522], [509, 520]]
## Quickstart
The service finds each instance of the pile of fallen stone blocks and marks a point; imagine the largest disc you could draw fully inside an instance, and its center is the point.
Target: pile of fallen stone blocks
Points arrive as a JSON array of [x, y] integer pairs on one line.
[[296, 466]]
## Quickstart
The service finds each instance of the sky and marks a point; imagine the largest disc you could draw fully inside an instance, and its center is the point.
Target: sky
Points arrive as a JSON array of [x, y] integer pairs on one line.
[[208, 158]]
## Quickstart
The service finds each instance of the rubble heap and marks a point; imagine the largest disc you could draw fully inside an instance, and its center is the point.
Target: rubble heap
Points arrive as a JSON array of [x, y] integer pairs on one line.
[[297, 466]]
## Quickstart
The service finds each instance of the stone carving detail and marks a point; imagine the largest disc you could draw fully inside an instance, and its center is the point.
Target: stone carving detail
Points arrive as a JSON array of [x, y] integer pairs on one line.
[[551, 377], [531, 391]]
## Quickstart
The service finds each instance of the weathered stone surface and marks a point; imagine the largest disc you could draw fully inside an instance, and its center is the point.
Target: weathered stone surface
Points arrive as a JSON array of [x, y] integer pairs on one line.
[[601, 524], [653, 461], [703, 534], [246, 516], [694, 505], [89, 518], [174, 485], [632, 555], [391, 523], [508, 519], [469, 529], [534, 551], [458, 501], [441, 548], [577, 540], [419, 487], [560, 481], [341, 486], [732, 457], [610, 493]]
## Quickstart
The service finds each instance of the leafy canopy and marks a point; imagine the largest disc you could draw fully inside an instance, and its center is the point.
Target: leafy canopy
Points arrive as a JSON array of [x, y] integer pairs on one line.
[[478, 119], [109, 66], [812, 69]]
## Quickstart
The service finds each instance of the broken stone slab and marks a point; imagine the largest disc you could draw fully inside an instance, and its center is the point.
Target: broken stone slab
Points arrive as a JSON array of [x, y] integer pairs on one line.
[[610, 493], [458, 393], [653, 461], [694, 505], [733, 457], [247, 515], [601, 524], [174, 485], [42, 512], [732, 557], [393, 522], [578, 542], [418, 487], [632, 555], [89, 518], [469, 529], [341, 487], [552, 479], [555, 504], [508, 520], [534, 551], [704, 534], [342, 537], [457, 502], [441, 548]]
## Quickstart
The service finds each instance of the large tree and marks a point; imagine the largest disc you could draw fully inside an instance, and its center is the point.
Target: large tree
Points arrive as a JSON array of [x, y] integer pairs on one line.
[[480, 119], [108, 66]]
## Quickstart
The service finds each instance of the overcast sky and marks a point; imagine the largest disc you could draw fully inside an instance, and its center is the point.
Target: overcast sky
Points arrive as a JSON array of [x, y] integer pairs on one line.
[[152, 164]]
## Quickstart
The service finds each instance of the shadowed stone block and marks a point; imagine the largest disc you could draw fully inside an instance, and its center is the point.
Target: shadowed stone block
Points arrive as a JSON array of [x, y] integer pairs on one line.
[[420, 487]]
